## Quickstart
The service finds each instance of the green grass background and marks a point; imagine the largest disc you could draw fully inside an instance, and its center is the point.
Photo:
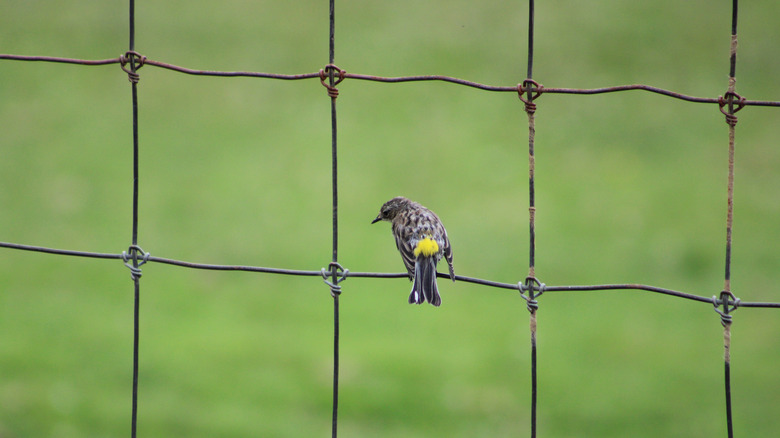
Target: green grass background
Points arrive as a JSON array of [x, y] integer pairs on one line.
[[631, 187]]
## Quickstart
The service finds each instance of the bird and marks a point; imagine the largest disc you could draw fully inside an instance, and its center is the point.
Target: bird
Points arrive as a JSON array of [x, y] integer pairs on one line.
[[422, 241]]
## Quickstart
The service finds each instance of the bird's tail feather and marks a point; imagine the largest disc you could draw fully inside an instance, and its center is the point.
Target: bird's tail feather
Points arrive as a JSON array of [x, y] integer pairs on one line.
[[424, 287]]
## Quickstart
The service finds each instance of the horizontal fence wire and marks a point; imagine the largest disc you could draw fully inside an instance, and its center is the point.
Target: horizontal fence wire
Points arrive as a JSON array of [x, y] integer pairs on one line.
[[399, 79], [313, 273]]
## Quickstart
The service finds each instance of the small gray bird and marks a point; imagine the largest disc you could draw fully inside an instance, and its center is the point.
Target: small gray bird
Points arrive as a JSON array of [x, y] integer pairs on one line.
[[422, 241]]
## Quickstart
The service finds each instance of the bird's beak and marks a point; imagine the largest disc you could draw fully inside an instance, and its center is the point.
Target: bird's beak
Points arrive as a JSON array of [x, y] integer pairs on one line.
[[378, 218]]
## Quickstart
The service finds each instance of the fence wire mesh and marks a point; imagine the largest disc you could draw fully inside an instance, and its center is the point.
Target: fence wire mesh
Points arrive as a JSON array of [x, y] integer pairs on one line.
[[530, 287]]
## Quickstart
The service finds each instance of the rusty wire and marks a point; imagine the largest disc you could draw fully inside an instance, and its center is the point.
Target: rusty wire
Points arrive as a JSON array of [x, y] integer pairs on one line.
[[397, 79]]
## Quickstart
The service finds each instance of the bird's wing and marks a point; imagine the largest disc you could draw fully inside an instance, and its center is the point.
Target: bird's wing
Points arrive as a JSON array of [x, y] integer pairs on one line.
[[404, 245]]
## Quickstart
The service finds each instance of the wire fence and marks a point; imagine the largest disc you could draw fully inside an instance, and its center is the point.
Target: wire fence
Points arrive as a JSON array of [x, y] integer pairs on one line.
[[530, 289]]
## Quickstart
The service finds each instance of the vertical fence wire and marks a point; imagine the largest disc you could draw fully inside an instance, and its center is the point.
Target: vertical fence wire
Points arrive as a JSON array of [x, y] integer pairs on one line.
[[530, 109], [731, 119], [134, 254], [335, 195]]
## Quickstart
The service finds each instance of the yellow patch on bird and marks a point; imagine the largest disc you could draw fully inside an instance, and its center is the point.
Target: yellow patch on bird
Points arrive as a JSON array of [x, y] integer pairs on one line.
[[427, 247]]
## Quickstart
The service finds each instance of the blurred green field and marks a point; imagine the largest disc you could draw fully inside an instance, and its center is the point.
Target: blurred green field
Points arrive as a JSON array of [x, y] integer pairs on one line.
[[631, 187]]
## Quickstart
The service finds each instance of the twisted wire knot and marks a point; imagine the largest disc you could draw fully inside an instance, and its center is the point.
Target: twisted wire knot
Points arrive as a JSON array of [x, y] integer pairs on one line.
[[325, 73], [136, 61], [338, 274], [132, 255], [729, 302], [528, 91], [531, 285], [730, 99]]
